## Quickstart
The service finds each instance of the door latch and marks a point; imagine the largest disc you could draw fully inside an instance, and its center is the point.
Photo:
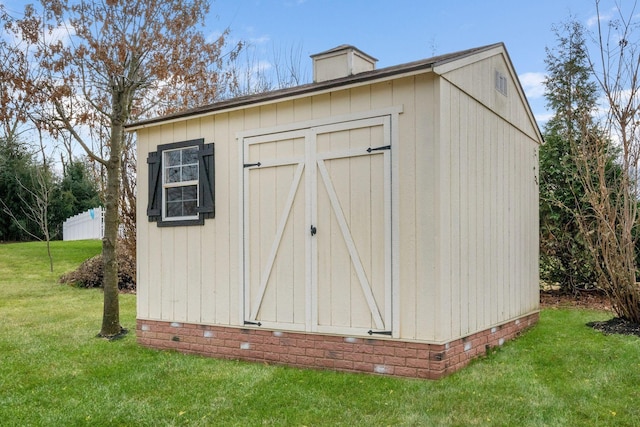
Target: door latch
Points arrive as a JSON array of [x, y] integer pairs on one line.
[[313, 230]]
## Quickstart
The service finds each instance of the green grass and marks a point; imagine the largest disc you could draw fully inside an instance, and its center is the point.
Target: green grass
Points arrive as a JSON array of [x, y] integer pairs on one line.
[[54, 372]]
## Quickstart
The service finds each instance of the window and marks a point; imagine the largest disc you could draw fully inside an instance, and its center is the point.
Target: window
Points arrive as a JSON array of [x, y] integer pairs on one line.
[[181, 183]]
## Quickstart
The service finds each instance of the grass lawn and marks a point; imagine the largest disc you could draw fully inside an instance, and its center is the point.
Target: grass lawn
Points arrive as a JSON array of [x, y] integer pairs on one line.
[[54, 372]]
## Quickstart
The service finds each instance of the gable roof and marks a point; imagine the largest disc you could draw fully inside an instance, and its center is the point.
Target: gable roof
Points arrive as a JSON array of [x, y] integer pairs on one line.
[[429, 64]]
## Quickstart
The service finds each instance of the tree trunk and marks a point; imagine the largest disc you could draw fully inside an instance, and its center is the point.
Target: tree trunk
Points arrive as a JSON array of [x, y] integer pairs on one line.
[[49, 253], [111, 315]]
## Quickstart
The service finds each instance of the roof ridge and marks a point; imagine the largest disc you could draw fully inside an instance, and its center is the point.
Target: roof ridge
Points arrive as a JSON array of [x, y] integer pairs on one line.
[[311, 87]]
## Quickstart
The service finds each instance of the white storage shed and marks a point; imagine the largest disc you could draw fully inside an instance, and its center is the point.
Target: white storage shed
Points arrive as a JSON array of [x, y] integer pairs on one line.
[[375, 220]]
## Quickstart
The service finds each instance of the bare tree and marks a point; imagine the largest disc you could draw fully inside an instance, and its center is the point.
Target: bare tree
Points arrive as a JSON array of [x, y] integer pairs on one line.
[[606, 158], [249, 74], [16, 70], [288, 67], [107, 61]]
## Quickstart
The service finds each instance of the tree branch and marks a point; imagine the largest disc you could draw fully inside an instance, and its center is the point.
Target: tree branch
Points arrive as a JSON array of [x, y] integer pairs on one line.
[[75, 135]]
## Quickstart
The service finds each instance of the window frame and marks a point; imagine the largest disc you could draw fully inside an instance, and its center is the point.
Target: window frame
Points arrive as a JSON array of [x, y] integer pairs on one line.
[[179, 184]]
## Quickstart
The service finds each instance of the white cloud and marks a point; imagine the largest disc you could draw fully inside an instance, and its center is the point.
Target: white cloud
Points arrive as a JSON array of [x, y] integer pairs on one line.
[[259, 40], [533, 84], [254, 39], [604, 17], [543, 118], [593, 21]]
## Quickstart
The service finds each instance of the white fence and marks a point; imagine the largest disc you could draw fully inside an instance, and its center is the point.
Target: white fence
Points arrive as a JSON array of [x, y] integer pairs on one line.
[[86, 225]]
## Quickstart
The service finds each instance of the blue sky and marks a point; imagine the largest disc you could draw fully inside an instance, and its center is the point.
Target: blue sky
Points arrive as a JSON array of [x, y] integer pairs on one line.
[[400, 31]]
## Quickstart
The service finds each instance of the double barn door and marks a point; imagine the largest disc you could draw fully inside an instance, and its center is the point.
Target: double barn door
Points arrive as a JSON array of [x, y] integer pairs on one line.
[[317, 228]]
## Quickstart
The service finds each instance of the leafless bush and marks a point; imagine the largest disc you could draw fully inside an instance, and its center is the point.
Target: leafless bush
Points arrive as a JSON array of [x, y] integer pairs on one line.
[[90, 273]]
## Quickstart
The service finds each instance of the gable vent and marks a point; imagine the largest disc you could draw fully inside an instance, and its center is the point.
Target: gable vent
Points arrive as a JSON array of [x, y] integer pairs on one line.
[[501, 83]]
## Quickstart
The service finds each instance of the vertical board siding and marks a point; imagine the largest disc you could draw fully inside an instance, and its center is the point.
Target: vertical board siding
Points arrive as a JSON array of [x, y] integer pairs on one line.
[[487, 160], [154, 260], [403, 92], [195, 261], [143, 236], [453, 200], [214, 269], [443, 327], [467, 309], [420, 304], [474, 221], [488, 204]]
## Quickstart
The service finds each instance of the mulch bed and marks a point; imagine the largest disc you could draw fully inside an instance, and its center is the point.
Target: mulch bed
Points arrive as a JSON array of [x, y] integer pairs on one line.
[[590, 300], [616, 326]]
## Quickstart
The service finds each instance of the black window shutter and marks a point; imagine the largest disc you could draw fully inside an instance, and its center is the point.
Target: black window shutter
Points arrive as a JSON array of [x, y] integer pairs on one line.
[[207, 182], [154, 208]]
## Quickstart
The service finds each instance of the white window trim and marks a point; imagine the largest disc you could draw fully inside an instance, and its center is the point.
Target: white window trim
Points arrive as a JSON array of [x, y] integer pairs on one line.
[[166, 185]]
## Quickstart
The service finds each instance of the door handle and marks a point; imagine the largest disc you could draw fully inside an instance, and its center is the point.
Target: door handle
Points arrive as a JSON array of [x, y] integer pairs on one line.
[[313, 230]]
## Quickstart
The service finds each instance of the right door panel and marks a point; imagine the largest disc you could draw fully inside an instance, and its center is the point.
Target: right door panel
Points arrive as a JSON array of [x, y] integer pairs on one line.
[[353, 238]]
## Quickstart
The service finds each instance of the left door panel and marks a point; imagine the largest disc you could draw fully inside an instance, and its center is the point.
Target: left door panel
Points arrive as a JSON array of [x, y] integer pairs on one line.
[[275, 238]]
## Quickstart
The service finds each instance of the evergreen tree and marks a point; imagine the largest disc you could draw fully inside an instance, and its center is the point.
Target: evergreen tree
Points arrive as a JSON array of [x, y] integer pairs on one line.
[[572, 94], [16, 164]]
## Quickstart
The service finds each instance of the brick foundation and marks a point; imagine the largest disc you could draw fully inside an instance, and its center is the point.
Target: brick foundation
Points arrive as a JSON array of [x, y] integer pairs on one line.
[[369, 355]]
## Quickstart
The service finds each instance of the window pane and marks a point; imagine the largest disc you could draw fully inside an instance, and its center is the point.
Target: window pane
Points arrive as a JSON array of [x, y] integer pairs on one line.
[[174, 209], [172, 174], [190, 173], [190, 156], [190, 208], [172, 158], [174, 194], [190, 193]]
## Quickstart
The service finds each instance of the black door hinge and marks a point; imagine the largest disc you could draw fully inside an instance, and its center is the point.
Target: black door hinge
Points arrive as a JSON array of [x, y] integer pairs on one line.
[[246, 322], [248, 165], [385, 147], [379, 332]]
